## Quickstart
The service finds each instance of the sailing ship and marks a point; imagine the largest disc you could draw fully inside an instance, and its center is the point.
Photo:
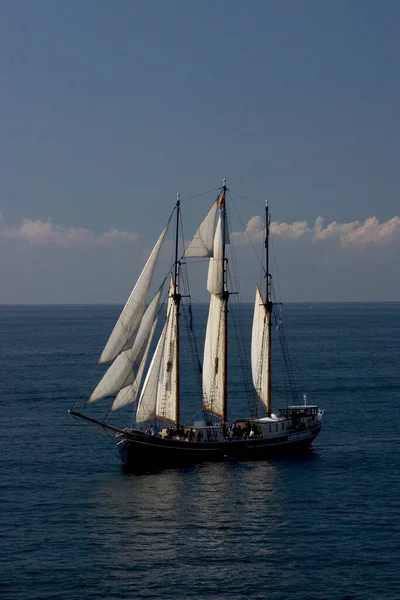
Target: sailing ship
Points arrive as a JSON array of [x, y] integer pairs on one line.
[[157, 437]]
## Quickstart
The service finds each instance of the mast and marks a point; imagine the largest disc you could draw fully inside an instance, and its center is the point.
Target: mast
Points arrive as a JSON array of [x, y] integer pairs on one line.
[[268, 306], [224, 296], [177, 299]]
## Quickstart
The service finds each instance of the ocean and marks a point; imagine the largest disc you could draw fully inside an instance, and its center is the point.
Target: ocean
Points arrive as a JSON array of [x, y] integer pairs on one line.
[[324, 526]]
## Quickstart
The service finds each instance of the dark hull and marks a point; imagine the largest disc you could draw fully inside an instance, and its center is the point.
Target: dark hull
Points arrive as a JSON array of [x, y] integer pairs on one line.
[[140, 452]]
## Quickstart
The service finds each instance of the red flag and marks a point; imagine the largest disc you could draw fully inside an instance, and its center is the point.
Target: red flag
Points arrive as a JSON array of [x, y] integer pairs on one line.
[[221, 202]]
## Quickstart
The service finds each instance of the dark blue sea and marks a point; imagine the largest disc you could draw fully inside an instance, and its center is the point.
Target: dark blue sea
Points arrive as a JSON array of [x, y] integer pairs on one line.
[[75, 525]]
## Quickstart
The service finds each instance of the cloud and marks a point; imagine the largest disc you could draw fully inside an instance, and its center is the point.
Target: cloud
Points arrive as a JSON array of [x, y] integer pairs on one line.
[[46, 233], [356, 233]]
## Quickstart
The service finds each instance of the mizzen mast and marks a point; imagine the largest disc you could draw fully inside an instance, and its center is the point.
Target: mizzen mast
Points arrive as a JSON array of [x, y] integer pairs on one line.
[[268, 308]]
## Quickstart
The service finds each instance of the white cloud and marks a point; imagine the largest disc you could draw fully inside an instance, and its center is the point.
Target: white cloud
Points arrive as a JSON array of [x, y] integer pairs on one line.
[[46, 233], [357, 233]]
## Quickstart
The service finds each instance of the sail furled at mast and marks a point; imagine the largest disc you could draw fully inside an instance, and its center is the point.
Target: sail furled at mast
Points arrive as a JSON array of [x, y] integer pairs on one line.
[[215, 279], [128, 323], [214, 353], [202, 242], [125, 369], [213, 367], [159, 393], [260, 348]]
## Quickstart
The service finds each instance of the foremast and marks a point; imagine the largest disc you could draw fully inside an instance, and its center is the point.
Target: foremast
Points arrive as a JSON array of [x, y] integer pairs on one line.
[[225, 297]]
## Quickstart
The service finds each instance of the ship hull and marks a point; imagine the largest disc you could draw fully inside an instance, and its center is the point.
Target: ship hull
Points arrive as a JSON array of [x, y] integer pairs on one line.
[[141, 452]]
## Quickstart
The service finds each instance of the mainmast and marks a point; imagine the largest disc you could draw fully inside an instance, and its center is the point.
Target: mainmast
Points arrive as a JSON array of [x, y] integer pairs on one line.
[[224, 296], [177, 300], [268, 307]]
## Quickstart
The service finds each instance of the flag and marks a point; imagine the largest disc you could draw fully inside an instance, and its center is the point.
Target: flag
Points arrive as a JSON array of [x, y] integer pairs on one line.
[[221, 201]]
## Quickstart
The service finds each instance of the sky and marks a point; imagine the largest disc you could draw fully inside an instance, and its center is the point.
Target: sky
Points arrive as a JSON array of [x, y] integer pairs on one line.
[[108, 109]]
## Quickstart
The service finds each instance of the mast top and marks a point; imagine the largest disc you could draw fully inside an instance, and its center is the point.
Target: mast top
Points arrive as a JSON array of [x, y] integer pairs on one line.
[[224, 182], [178, 199]]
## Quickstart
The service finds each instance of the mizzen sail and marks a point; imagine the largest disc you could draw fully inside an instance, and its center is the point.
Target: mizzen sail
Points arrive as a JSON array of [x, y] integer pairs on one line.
[[260, 349]]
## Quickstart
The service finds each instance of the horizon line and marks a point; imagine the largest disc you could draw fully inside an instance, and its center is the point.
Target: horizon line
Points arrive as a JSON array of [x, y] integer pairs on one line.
[[309, 302]]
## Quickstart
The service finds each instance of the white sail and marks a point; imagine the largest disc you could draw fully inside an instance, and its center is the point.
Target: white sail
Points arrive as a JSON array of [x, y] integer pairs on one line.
[[146, 410], [129, 393], [216, 267], [202, 242], [213, 367], [259, 348], [130, 318], [124, 369], [167, 390]]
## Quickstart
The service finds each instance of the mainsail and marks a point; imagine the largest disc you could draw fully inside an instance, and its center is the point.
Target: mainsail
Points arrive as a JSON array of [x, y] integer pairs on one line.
[[125, 369], [167, 392], [215, 342], [159, 393], [129, 320], [260, 349], [202, 242]]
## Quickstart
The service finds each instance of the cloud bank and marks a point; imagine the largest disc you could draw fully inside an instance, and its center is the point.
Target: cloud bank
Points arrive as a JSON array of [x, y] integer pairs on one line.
[[356, 233], [46, 233]]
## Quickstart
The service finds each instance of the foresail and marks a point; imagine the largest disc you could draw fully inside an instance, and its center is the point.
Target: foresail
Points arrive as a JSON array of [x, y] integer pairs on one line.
[[166, 393], [213, 367], [129, 320], [259, 348], [146, 410], [202, 242], [125, 368]]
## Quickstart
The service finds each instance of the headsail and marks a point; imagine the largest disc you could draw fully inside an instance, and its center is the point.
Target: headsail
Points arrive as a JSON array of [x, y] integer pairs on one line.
[[125, 369], [260, 348], [202, 242], [129, 393], [129, 320]]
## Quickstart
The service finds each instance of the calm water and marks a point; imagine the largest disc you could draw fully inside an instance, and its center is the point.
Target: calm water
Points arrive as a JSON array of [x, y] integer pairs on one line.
[[74, 525]]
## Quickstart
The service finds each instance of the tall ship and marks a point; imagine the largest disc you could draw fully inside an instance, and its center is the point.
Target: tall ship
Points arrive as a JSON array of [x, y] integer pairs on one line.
[[147, 348]]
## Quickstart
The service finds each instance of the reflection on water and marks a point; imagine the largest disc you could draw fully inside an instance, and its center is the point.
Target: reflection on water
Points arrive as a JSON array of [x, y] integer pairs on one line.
[[194, 522]]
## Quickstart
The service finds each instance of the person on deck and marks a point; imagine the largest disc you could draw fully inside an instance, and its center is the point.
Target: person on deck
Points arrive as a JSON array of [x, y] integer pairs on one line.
[[154, 430]]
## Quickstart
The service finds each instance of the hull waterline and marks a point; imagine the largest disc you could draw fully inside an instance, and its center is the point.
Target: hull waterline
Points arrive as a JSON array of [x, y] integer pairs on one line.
[[139, 451]]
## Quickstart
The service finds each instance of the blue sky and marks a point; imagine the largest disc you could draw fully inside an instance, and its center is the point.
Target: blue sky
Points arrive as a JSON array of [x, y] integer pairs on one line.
[[110, 108]]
